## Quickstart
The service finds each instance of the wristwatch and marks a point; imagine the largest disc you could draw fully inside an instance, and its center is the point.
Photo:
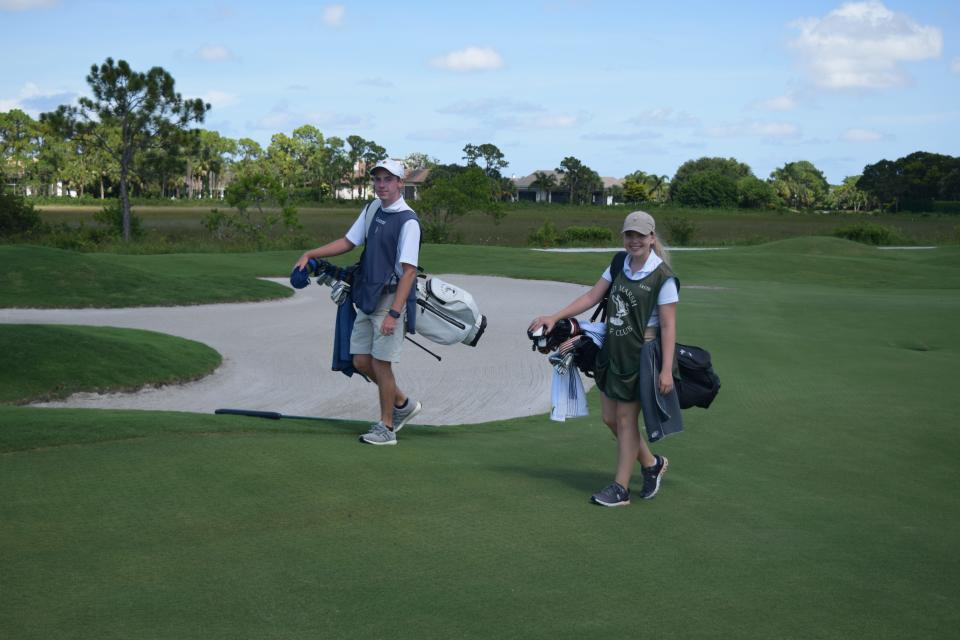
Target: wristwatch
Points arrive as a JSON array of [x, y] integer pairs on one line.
[[393, 313]]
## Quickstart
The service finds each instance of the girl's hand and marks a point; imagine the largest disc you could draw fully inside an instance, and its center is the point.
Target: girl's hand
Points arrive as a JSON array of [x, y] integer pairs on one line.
[[541, 321], [666, 381]]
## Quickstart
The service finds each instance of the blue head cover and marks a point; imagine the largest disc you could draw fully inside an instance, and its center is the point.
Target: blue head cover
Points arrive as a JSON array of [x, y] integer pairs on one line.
[[299, 278]]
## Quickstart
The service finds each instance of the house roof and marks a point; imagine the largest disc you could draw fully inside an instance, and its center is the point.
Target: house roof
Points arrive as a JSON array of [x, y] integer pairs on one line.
[[611, 182], [526, 181], [417, 176]]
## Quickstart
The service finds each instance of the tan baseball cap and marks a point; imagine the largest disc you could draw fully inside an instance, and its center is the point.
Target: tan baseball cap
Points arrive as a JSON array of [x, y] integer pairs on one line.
[[639, 221]]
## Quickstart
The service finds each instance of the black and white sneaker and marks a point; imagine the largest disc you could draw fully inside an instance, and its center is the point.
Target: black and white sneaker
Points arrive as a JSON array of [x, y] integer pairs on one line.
[[613, 495], [652, 476]]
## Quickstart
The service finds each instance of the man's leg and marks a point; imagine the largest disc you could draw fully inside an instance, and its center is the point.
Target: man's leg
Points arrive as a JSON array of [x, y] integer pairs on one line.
[[387, 387], [364, 363]]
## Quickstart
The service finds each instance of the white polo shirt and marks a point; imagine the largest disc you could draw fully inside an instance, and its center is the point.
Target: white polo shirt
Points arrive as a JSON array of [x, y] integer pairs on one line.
[[668, 292], [409, 242]]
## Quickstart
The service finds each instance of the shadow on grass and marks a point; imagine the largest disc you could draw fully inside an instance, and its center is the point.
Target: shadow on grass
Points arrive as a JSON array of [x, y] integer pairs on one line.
[[583, 480], [305, 424]]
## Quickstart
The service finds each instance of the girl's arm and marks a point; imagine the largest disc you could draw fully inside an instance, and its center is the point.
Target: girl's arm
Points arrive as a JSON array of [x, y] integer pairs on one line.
[[578, 306], [668, 343]]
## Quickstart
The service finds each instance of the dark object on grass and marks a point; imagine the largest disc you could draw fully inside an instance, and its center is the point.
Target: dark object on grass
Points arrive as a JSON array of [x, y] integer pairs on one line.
[[698, 383], [270, 415]]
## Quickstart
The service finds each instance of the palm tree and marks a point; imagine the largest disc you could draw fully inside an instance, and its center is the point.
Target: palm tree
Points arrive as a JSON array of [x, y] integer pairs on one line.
[[543, 181], [658, 186]]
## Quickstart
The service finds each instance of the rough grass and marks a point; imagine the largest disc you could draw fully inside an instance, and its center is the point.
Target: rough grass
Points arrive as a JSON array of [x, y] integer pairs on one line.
[[109, 280], [815, 499], [170, 226]]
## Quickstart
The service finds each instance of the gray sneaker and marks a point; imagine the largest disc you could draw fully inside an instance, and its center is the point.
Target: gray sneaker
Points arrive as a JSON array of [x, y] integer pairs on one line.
[[613, 495], [379, 434], [402, 416]]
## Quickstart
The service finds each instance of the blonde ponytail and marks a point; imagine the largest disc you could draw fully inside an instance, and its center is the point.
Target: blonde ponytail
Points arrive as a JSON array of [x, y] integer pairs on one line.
[[661, 250]]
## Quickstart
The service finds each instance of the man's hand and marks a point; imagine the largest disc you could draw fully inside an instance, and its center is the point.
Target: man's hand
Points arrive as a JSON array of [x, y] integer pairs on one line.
[[388, 326]]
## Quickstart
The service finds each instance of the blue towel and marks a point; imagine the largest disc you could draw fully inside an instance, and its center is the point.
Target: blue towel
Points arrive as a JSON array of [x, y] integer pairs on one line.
[[342, 360]]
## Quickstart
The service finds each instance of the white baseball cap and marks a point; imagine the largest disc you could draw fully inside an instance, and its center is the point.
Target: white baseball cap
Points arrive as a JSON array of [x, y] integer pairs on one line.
[[391, 166], [639, 221]]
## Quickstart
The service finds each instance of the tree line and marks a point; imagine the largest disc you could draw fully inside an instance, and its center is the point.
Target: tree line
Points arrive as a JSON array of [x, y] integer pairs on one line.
[[136, 136]]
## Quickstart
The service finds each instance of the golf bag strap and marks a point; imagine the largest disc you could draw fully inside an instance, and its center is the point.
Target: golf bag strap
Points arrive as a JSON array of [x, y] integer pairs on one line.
[[616, 266], [368, 220]]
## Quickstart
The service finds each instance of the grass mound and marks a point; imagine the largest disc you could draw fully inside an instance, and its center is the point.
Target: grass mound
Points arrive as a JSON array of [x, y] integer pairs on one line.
[[52, 362], [41, 277], [832, 262], [813, 246]]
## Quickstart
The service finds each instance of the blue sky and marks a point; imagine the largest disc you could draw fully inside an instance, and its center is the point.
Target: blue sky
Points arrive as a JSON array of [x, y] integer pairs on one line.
[[620, 85]]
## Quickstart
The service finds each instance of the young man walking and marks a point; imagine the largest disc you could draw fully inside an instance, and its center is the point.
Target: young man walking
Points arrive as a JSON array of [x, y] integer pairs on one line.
[[384, 291]]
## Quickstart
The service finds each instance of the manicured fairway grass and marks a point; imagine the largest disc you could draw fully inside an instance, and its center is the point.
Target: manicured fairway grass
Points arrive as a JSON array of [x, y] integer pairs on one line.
[[815, 499], [51, 362]]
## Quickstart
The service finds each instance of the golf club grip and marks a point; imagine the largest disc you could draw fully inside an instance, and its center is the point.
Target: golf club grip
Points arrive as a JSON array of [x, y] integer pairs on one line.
[[272, 415]]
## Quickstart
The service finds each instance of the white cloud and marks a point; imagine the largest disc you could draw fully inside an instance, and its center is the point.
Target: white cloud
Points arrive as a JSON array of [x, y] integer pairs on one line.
[[219, 98], [621, 136], [34, 100], [557, 121], [282, 118], [861, 45], [955, 65], [336, 120], [753, 129], [486, 107], [446, 135], [780, 103], [663, 117], [916, 119], [333, 14], [27, 5], [214, 53], [505, 113], [861, 135], [469, 59]]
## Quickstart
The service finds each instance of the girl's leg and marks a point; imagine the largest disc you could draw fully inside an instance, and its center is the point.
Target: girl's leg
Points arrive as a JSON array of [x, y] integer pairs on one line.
[[609, 409], [628, 440]]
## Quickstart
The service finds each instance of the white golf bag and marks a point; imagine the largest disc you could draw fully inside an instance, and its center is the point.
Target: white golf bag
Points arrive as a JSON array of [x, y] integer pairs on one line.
[[447, 314]]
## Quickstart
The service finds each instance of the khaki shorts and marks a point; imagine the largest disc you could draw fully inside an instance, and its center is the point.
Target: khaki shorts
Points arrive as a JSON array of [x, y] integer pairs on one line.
[[366, 337]]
